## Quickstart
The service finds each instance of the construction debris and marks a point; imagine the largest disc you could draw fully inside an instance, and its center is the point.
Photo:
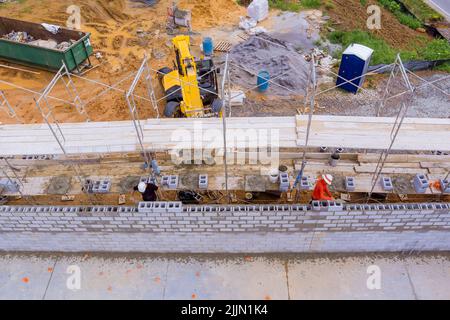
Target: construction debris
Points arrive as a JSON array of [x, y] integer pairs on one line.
[[19, 36], [258, 10], [24, 37]]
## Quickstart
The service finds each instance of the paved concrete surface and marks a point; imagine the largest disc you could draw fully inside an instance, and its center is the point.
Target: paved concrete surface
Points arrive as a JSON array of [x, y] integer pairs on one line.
[[224, 277], [442, 6]]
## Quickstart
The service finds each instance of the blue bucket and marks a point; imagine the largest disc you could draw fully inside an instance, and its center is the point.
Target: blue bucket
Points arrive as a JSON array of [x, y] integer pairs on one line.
[[208, 47], [263, 81]]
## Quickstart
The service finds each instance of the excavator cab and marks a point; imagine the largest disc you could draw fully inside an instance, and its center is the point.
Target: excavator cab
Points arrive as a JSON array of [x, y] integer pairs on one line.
[[191, 88]]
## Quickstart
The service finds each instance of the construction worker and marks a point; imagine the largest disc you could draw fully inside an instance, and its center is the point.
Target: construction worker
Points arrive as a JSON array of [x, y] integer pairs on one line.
[[148, 191], [321, 191]]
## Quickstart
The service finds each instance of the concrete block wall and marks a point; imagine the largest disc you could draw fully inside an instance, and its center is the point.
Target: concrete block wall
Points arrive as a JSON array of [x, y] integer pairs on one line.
[[269, 228]]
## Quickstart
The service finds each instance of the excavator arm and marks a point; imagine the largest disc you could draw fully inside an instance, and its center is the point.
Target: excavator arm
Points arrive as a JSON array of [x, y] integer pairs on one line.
[[192, 104]]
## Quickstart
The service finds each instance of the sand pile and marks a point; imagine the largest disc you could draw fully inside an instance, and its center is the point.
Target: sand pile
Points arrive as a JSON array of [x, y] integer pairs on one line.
[[100, 11], [211, 13], [286, 66]]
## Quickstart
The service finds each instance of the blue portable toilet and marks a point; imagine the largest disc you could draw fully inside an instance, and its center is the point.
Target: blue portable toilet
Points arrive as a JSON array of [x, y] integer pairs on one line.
[[355, 62]]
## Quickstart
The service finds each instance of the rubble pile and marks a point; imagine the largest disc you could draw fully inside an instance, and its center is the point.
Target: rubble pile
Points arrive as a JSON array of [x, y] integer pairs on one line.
[[24, 37], [19, 36]]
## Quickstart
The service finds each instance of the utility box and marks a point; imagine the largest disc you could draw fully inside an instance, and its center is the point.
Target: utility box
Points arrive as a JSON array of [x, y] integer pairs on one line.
[[354, 65]]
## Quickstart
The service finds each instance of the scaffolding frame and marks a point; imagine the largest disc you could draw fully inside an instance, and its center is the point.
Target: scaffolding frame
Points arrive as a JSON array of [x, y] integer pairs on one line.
[[144, 70], [311, 92], [401, 115], [4, 105], [16, 177], [46, 110]]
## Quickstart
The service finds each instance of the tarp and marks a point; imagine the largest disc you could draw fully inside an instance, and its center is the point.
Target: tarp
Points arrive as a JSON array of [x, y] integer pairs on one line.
[[410, 65]]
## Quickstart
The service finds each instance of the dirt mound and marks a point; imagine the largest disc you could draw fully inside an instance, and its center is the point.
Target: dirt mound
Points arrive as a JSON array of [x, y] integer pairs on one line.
[[103, 10], [351, 14], [211, 13], [286, 67]]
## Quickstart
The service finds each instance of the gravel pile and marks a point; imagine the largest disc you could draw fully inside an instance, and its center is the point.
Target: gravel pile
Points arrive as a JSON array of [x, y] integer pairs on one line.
[[285, 65]]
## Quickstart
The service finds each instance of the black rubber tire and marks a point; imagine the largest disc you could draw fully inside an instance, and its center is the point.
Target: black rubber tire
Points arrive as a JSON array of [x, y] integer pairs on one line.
[[162, 72], [171, 109]]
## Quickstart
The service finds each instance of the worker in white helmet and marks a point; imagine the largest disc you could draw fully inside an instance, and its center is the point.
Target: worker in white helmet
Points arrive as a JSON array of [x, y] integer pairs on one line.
[[148, 191], [321, 191]]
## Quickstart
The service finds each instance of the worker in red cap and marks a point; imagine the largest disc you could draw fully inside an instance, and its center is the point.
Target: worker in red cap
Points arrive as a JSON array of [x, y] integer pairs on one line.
[[321, 191]]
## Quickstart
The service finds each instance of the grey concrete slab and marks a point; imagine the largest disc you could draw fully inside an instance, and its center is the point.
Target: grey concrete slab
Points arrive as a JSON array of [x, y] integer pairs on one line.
[[118, 278], [347, 279], [227, 278], [430, 278], [24, 277], [239, 278]]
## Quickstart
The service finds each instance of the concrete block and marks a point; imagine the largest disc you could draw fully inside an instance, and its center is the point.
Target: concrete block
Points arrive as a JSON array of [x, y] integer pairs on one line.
[[284, 182], [316, 206], [97, 186], [203, 181], [170, 182], [421, 183], [334, 206], [175, 206], [350, 185], [165, 180], [305, 183], [386, 183], [145, 207], [445, 186], [9, 185]]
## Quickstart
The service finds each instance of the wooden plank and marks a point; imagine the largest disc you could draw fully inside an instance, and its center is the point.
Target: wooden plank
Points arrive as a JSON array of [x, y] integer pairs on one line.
[[369, 168], [403, 158]]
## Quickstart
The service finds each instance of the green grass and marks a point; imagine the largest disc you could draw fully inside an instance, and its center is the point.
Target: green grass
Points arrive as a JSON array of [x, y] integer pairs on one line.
[[408, 20], [437, 49], [294, 5], [311, 3], [422, 11], [402, 17], [383, 52]]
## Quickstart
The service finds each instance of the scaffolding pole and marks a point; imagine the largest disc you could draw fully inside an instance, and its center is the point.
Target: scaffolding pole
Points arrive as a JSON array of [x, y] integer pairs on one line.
[[4, 104], [129, 97], [46, 111], [224, 124], [12, 181], [312, 102], [397, 124]]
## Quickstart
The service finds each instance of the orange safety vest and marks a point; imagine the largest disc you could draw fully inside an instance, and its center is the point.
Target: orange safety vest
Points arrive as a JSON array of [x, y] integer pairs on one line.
[[321, 191]]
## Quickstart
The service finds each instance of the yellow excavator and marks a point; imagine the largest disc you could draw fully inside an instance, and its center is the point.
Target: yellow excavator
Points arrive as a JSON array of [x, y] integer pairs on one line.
[[191, 87]]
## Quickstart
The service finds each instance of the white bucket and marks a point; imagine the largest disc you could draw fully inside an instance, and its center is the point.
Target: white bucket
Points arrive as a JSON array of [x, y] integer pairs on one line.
[[274, 175]]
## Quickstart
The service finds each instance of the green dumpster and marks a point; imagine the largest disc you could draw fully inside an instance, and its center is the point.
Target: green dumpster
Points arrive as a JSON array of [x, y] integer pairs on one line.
[[75, 56]]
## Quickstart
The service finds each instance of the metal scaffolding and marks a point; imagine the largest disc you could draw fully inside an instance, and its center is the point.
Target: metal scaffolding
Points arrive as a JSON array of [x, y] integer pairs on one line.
[[131, 102], [4, 105], [398, 67], [311, 92], [143, 77], [16, 178], [46, 111]]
